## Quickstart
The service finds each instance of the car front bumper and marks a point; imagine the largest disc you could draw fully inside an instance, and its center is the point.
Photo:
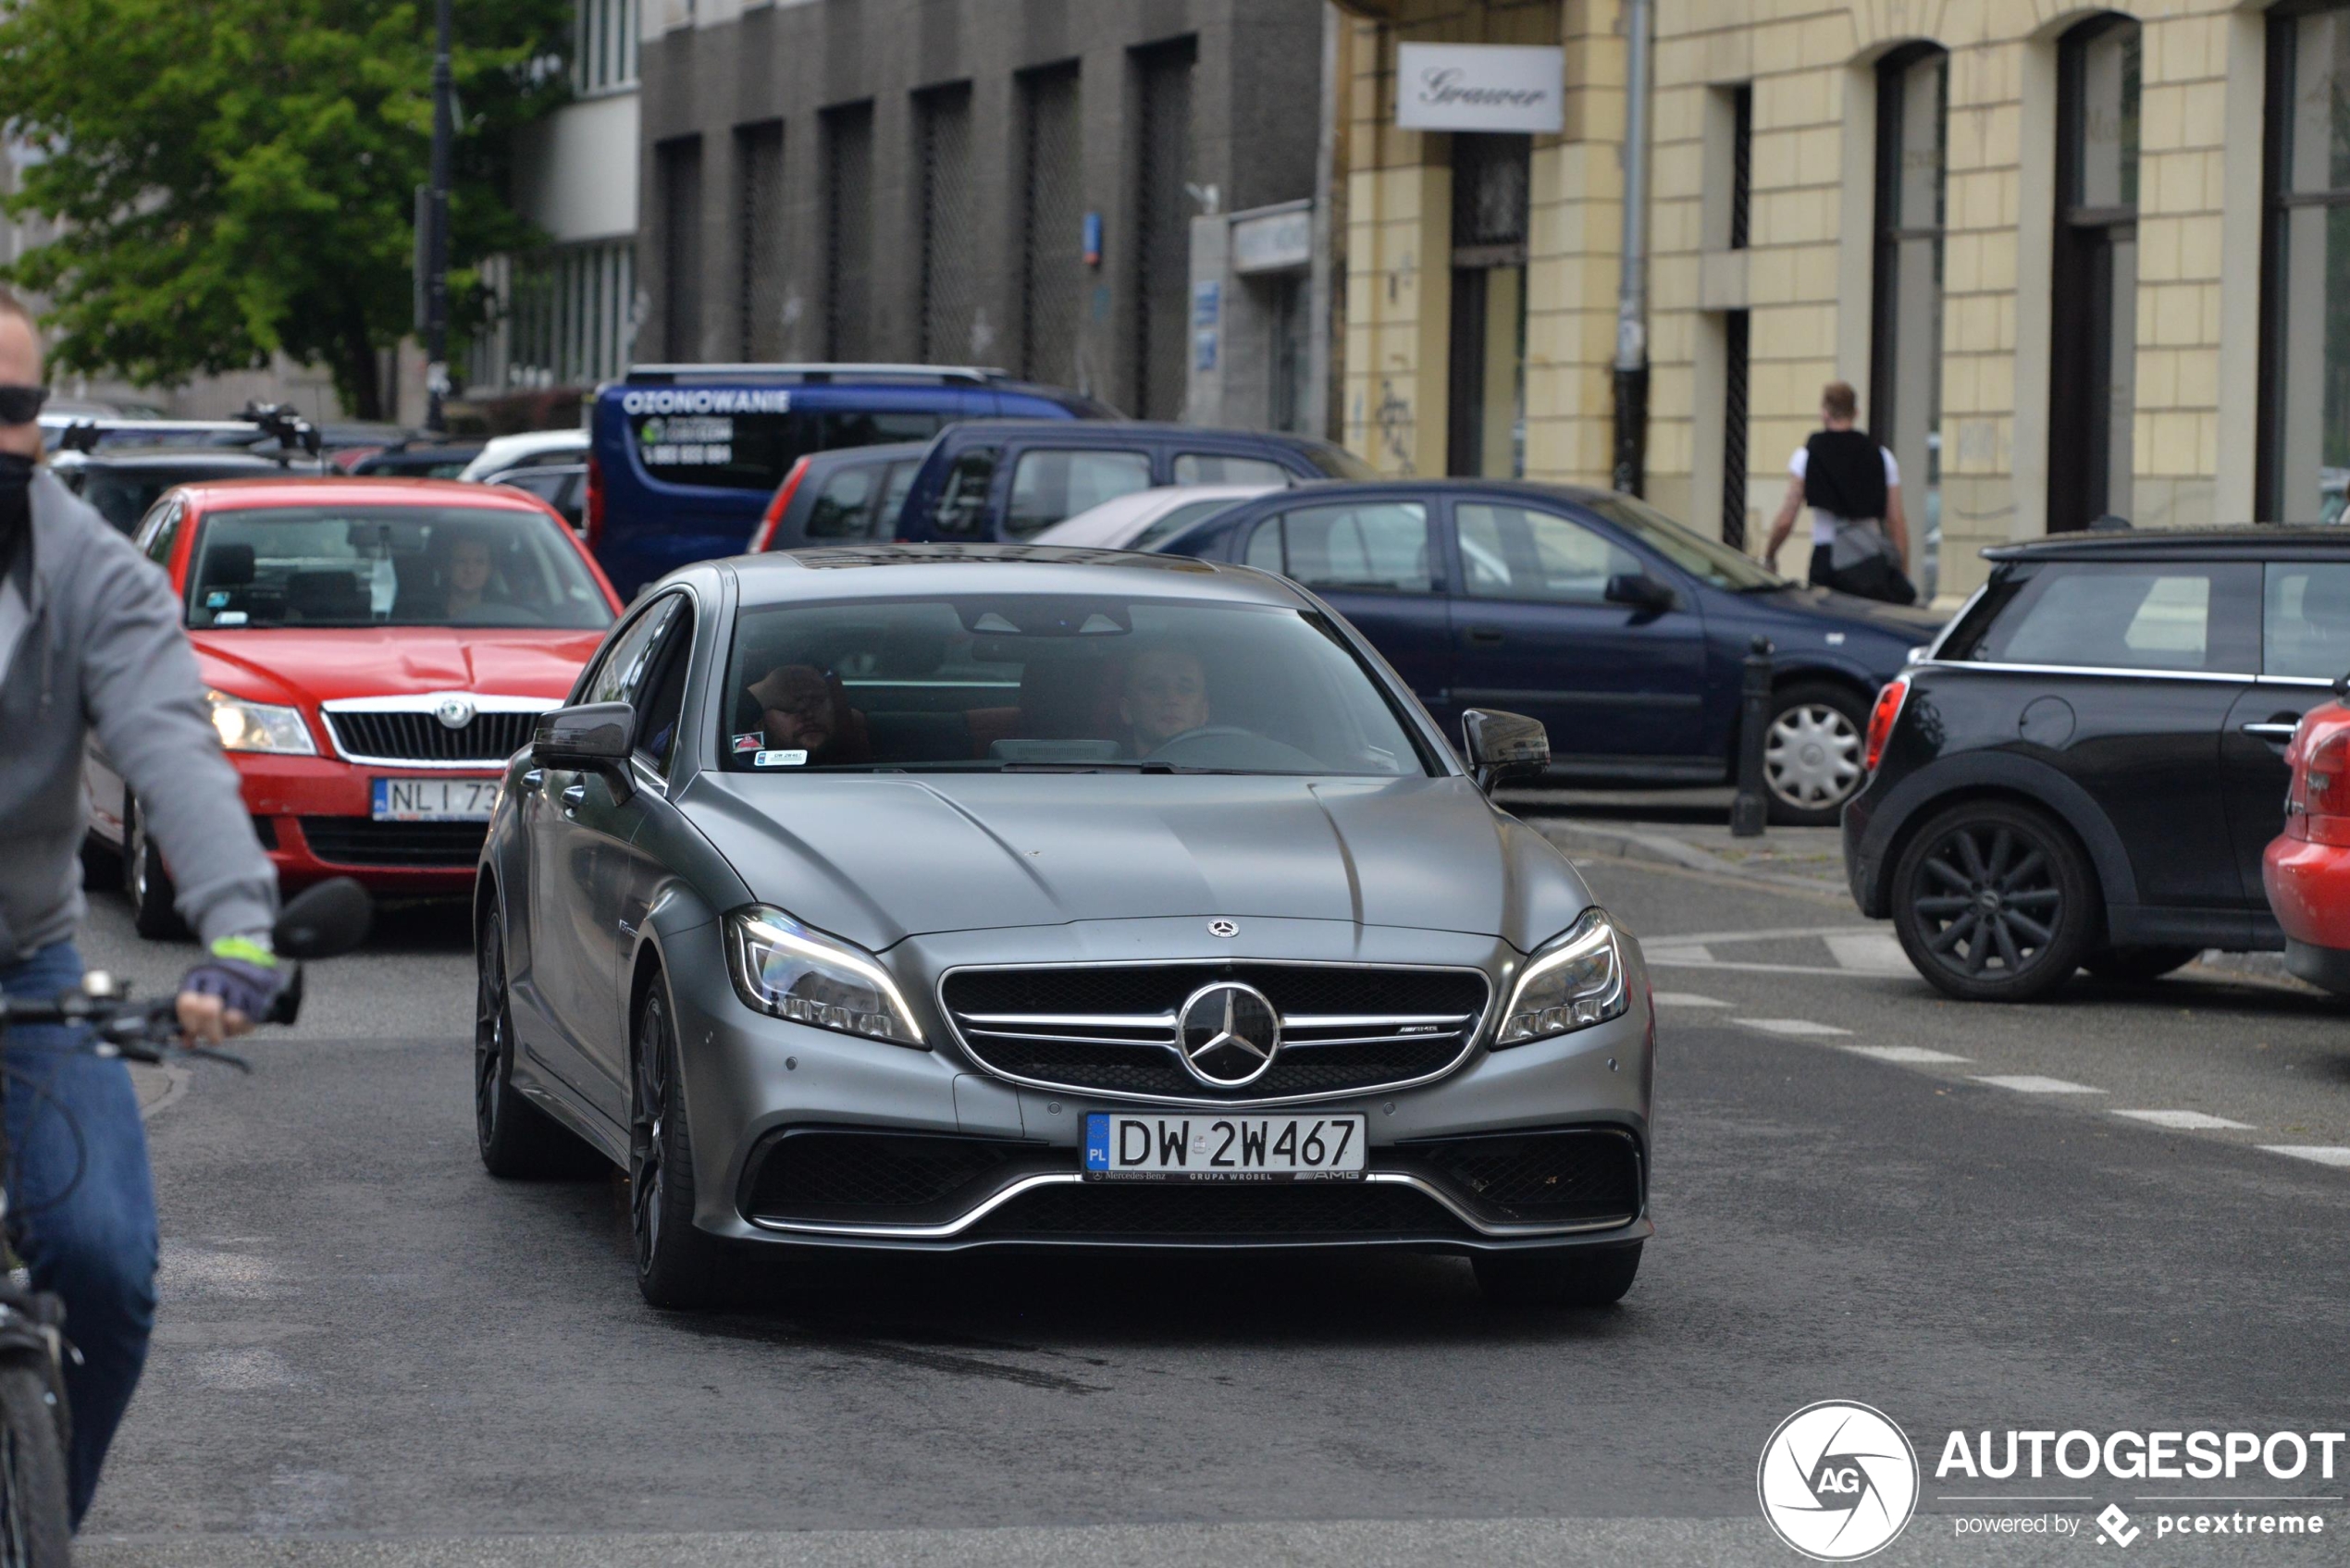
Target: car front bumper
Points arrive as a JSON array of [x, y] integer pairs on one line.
[[316, 818], [753, 1083]]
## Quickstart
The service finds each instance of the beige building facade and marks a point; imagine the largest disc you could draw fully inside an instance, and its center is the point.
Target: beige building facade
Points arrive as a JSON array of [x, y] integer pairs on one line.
[[2077, 260]]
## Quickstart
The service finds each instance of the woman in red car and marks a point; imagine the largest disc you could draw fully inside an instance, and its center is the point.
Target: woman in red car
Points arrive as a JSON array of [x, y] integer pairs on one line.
[[374, 651]]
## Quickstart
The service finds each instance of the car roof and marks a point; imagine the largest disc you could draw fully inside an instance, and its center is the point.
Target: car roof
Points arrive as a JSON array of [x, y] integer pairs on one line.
[[362, 489], [2253, 539], [881, 451], [1113, 432], [897, 571]]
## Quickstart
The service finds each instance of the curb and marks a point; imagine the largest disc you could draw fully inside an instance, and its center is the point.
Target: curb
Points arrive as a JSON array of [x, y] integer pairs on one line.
[[1591, 841]]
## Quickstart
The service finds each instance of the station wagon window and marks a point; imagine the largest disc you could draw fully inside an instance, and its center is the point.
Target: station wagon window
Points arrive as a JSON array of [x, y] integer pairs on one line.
[[1509, 552], [2126, 615], [1378, 546], [1214, 468], [854, 501], [1049, 484], [2305, 624], [963, 500]]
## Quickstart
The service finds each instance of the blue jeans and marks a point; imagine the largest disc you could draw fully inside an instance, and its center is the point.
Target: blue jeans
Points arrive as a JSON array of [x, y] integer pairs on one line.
[[84, 1212]]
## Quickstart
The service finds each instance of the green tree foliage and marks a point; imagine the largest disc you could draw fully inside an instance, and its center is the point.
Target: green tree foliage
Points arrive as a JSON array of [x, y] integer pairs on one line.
[[231, 178]]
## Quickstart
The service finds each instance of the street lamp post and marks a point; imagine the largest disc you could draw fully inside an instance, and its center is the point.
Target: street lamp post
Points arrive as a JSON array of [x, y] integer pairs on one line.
[[436, 220]]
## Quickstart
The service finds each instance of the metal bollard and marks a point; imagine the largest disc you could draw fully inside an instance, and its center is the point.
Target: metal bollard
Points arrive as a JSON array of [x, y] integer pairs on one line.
[[1749, 810]]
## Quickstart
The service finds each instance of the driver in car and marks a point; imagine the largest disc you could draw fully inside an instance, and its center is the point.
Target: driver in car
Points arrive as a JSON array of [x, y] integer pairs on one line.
[[469, 571], [800, 710], [1165, 696]]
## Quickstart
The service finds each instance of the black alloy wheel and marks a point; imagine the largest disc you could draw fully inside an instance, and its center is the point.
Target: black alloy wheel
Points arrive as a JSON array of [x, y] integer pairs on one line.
[[677, 1266], [35, 1528], [152, 894], [1558, 1276], [518, 1140], [1994, 902]]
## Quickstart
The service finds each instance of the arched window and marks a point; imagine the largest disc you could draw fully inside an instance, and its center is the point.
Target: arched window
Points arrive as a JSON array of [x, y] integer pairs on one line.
[[1905, 370], [2305, 405], [2093, 359]]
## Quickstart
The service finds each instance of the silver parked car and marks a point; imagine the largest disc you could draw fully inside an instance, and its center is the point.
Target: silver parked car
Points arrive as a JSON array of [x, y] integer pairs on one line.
[[939, 897]]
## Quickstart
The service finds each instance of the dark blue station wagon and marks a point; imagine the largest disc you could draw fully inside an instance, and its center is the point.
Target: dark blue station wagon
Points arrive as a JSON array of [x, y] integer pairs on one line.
[[1623, 632]]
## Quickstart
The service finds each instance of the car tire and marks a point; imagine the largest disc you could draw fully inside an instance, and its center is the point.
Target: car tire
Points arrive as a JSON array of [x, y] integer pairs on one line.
[[678, 1267], [518, 1140], [1561, 1277], [144, 878], [2138, 965], [1995, 902], [1811, 753]]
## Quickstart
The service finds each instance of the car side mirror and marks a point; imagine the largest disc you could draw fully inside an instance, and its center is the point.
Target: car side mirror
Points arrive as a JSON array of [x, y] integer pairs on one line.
[[595, 737], [1504, 746], [1642, 592]]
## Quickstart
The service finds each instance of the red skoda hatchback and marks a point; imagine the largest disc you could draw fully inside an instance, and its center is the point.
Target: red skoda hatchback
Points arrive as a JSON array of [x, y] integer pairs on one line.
[[374, 651]]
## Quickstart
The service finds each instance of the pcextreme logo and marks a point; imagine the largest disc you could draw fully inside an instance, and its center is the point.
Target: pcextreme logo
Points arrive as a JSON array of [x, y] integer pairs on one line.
[[1837, 1481]]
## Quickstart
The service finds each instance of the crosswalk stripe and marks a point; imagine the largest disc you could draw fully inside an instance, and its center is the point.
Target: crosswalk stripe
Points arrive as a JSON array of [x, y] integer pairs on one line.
[[1790, 1026], [2032, 1083], [1918, 1054], [2322, 1153], [2187, 1120]]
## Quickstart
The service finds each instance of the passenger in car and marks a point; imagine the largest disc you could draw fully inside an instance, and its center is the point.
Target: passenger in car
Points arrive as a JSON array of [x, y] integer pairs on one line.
[[803, 708], [1165, 696]]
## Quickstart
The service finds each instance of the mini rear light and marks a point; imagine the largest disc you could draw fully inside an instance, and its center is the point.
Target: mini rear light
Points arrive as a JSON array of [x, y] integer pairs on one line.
[[1882, 718], [765, 536], [595, 508]]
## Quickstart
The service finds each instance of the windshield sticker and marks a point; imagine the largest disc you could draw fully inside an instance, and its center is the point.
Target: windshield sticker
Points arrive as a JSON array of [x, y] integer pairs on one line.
[[686, 442], [780, 760], [747, 743], [230, 618], [215, 599]]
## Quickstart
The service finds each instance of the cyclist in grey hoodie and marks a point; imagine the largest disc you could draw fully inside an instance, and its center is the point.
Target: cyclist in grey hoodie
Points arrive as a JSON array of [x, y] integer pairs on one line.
[[91, 642]]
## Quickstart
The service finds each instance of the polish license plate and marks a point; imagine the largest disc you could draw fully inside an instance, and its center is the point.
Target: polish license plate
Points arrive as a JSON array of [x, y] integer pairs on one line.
[[435, 800], [1214, 1147]]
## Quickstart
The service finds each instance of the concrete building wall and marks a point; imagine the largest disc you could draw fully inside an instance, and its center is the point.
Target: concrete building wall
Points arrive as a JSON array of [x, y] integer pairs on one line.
[[713, 69]]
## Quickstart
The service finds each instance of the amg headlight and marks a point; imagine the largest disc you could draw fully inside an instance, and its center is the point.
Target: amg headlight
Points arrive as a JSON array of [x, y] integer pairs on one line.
[[259, 726], [1572, 981], [783, 968]]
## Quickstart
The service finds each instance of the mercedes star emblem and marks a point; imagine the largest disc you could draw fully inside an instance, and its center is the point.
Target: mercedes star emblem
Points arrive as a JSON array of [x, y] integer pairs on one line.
[[1228, 1033], [1222, 927], [455, 710]]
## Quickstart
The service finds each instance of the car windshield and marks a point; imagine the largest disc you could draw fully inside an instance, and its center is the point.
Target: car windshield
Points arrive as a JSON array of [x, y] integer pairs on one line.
[[391, 566], [1692, 552], [1028, 683]]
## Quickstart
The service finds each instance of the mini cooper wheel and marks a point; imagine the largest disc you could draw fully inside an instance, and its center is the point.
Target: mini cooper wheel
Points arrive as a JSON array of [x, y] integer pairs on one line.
[[677, 1266], [1994, 902], [1811, 754], [144, 878], [1562, 1277], [518, 1140]]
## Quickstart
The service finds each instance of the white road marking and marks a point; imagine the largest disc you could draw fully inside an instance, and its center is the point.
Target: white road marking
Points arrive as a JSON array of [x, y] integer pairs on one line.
[[2321, 1154], [2030, 1083], [1702, 938], [1677, 953], [1790, 1026], [1871, 952], [1686, 999], [1675, 959], [1914, 1053], [2187, 1120]]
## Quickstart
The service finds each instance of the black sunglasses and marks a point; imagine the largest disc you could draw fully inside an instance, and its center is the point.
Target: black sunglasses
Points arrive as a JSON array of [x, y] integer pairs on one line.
[[21, 405]]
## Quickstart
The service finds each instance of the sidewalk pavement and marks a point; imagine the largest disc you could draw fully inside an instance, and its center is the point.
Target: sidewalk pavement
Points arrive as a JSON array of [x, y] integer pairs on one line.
[[1688, 829]]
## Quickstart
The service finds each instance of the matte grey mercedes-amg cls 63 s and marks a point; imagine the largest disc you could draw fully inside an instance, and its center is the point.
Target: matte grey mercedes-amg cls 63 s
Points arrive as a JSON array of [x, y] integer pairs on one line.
[[936, 897]]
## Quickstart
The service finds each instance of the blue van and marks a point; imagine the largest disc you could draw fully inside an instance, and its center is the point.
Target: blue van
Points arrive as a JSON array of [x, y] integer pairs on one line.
[[684, 458]]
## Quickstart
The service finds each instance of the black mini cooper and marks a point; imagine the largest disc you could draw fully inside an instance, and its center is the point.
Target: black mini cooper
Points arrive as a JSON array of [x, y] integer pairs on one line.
[[2083, 770]]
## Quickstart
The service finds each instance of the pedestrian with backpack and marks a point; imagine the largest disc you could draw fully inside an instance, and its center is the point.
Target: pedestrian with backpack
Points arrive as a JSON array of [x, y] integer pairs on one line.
[[1859, 536]]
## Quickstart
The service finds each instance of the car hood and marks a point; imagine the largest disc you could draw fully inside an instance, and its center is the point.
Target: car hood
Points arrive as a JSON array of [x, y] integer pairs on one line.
[[319, 664], [1813, 605], [880, 858]]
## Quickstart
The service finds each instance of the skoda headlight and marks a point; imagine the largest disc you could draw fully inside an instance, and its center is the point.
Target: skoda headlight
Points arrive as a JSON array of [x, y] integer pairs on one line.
[[259, 726], [783, 968], [1572, 981]]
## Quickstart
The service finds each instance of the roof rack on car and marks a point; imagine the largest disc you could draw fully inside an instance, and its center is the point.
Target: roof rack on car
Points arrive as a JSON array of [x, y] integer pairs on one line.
[[86, 432], [942, 374]]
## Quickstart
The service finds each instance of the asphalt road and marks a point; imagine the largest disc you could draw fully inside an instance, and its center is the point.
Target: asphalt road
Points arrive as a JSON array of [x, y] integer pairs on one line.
[[370, 1353]]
